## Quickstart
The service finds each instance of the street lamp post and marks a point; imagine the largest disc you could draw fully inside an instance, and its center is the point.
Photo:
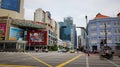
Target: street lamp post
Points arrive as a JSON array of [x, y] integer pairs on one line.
[[86, 20], [87, 44], [86, 30], [105, 35]]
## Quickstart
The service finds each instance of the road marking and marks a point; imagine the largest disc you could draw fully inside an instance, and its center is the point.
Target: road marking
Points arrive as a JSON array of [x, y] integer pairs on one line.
[[87, 63], [39, 60], [113, 63], [8, 65], [64, 63]]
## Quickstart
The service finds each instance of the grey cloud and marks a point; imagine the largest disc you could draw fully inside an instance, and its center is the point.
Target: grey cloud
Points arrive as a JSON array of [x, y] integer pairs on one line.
[[75, 8]]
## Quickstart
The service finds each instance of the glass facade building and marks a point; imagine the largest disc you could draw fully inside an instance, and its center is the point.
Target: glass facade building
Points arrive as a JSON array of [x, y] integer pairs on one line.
[[65, 32], [68, 31]]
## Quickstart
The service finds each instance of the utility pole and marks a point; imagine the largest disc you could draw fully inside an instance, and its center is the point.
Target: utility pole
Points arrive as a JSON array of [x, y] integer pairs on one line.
[[87, 42], [86, 30], [105, 41], [86, 20]]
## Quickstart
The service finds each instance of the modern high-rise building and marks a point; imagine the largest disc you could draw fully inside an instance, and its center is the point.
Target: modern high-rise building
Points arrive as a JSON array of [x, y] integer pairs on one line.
[[52, 26], [79, 42], [68, 20], [68, 31], [39, 15], [74, 36], [83, 39], [12, 8], [104, 28]]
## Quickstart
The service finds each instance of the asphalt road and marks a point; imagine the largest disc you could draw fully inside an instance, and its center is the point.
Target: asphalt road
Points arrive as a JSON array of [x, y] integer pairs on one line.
[[54, 59]]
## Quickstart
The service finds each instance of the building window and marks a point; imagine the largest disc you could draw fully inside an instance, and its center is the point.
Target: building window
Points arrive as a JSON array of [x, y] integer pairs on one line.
[[108, 23], [109, 38], [115, 23], [115, 30], [101, 31], [108, 30], [49, 31], [115, 39], [93, 25], [119, 39], [118, 23], [119, 30], [101, 23]]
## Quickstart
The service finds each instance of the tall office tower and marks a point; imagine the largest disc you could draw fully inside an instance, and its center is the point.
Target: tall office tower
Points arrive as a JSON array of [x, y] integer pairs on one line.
[[74, 35], [12, 8], [68, 31], [104, 28], [65, 32], [83, 39], [68, 20]]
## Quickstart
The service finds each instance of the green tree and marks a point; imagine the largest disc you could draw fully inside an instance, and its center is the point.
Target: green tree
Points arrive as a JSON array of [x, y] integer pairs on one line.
[[54, 48]]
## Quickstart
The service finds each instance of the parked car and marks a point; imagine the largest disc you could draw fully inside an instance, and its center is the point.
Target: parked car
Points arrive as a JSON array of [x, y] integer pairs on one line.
[[59, 50], [72, 51], [45, 50], [64, 50]]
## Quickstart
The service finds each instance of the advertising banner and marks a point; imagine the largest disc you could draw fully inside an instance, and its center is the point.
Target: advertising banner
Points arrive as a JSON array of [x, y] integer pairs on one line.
[[37, 37], [2, 31], [11, 5], [16, 33]]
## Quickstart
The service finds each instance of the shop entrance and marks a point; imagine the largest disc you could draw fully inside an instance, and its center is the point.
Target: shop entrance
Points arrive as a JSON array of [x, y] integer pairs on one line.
[[12, 46]]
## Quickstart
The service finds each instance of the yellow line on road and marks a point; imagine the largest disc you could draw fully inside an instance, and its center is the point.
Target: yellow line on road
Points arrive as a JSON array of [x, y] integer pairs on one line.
[[63, 64], [39, 60], [8, 65]]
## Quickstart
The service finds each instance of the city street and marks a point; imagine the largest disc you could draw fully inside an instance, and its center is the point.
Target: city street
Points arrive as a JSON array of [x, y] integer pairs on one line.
[[54, 59]]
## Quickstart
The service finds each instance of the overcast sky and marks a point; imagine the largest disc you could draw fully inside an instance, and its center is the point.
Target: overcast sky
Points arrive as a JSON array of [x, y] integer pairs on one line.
[[77, 9]]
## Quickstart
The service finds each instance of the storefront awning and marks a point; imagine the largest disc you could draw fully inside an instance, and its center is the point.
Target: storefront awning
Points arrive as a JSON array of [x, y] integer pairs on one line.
[[10, 41], [7, 41], [26, 23]]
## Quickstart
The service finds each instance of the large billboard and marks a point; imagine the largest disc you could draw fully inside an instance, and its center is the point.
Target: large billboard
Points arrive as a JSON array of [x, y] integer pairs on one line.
[[37, 37], [16, 33], [11, 5], [2, 31]]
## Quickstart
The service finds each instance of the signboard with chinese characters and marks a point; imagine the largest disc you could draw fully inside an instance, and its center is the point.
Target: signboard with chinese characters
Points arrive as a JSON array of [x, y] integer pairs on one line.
[[2, 31]]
